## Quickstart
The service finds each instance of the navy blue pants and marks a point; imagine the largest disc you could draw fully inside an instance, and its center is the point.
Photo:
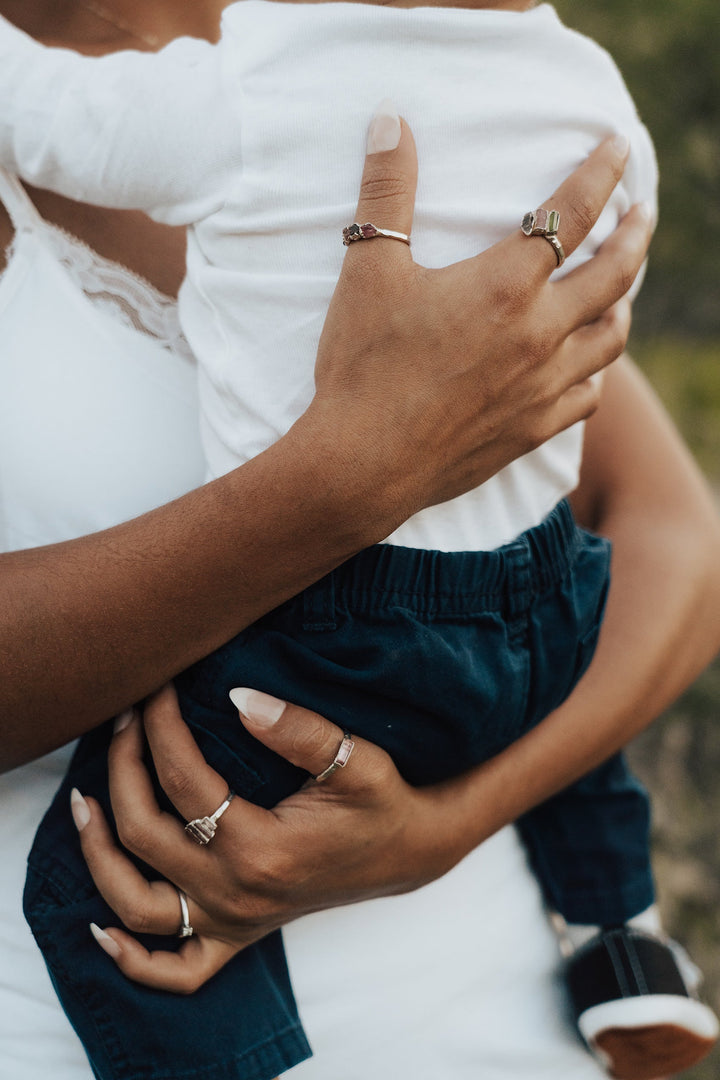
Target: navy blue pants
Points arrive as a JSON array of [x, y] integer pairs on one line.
[[441, 658]]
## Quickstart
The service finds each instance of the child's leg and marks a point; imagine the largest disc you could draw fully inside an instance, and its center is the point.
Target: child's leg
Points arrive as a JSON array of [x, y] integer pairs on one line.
[[590, 847], [425, 653], [633, 991]]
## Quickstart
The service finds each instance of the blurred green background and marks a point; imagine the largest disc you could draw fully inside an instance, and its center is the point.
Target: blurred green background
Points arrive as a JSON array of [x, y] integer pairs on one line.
[[669, 53]]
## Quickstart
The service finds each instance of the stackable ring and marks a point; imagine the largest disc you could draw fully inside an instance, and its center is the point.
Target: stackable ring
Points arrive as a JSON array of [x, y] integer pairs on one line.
[[354, 232], [186, 929], [202, 830], [544, 223], [341, 758]]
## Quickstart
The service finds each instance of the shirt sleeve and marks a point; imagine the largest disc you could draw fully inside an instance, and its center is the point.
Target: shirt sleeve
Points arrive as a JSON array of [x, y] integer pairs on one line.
[[132, 130]]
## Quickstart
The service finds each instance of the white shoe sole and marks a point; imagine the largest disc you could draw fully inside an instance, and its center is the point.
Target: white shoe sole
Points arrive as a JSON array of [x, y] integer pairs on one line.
[[644, 1038]]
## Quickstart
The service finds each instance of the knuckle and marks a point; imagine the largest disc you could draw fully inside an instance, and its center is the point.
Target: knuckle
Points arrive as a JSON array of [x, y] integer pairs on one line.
[[380, 771], [539, 342], [593, 395], [133, 835], [177, 784], [514, 294], [377, 776], [582, 214], [625, 278], [590, 406], [587, 399], [138, 918], [617, 328], [269, 873], [617, 339], [310, 739], [382, 185]]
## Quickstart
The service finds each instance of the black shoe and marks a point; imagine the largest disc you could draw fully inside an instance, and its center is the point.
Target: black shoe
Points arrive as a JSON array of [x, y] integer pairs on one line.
[[635, 1003]]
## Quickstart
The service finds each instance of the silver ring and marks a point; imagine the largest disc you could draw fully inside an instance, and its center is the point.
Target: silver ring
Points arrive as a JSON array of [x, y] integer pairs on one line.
[[341, 759], [186, 929], [544, 223], [354, 232], [202, 829]]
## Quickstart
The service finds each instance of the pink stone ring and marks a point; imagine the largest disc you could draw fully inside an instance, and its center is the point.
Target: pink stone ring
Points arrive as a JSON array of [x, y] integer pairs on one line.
[[342, 757], [202, 830], [545, 223], [354, 232]]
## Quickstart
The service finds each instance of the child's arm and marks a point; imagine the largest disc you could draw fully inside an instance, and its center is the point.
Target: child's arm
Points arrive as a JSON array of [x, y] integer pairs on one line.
[[131, 130]]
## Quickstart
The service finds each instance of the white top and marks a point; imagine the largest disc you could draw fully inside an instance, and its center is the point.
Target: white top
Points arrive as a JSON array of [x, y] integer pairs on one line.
[[468, 987], [258, 143]]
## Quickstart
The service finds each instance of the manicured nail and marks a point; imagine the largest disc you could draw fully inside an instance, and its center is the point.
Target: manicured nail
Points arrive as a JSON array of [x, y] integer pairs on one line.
[[105, 942], [261, 708], [384, 131], [621, 144], [79, 809], [123, 720], [647, 211]]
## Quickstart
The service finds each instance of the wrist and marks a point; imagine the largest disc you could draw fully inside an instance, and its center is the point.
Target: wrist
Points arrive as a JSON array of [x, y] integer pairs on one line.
[[362, 486]]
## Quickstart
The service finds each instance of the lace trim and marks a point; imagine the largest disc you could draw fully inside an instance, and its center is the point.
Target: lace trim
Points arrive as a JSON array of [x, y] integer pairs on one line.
[[122, 294]]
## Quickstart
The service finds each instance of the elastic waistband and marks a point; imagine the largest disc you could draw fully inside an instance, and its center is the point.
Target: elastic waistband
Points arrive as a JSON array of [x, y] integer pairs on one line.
[[455, 582]]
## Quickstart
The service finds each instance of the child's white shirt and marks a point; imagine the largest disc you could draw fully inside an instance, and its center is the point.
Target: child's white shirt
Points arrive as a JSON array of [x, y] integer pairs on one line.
[[257, 143]]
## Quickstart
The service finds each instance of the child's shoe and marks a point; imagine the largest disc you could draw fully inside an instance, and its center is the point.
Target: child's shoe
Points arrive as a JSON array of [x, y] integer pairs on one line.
[[636, 1005]]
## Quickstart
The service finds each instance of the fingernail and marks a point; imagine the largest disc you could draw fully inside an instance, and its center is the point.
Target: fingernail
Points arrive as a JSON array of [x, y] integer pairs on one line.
[[647, 211], [123, 720], [621, 144], [384, 131], [261, 708], [79, 809], [105, 942]]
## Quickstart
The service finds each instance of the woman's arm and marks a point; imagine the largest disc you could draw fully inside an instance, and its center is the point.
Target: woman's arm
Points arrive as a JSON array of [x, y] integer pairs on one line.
[[641, 488], [367, 833], [459, 372]]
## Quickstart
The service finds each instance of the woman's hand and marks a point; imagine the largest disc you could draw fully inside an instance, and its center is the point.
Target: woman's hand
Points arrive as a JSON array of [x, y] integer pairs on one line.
[[361, 833], [480, 361], [428, 382]]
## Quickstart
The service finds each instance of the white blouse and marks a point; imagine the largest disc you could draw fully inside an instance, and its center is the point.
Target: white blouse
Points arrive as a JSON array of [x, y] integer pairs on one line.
[[453, 982]]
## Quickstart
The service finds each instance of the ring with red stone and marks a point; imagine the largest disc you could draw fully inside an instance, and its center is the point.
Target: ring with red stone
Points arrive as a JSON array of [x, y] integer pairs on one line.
[[545, 223], [354, 232]]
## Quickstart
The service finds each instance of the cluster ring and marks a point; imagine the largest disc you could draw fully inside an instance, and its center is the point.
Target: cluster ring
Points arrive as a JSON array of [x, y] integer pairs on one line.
[[545, 223], [368, 231]]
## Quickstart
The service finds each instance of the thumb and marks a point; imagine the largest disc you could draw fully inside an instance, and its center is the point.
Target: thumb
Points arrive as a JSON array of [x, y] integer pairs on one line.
[[387, 191], [304, 738]]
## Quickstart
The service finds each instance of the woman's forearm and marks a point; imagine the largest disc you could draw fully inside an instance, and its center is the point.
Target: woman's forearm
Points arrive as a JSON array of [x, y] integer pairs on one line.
[[662, 624], [406, 414], [91, 625]]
